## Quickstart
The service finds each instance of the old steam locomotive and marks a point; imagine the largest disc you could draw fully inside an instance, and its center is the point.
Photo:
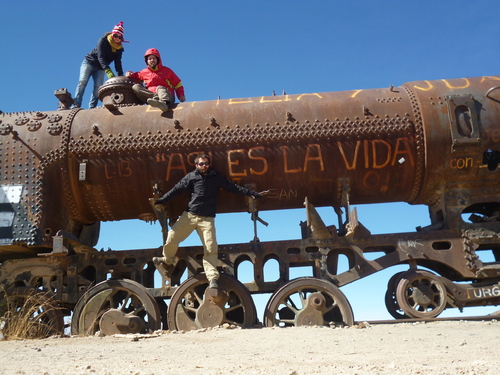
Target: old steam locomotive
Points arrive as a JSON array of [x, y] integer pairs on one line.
[[435, 143]]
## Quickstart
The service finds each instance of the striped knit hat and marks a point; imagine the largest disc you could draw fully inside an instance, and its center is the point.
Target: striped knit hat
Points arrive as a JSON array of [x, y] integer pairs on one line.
[[118, 29]]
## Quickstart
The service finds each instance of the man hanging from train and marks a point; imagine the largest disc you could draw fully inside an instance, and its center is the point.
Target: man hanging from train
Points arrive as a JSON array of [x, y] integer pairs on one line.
[[162, 84], [203, 184]]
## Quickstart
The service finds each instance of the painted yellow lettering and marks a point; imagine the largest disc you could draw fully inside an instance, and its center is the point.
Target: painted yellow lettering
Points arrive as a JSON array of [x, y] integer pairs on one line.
[[355, 93], [252, 157], [318, 158], [367, 154], [125, 170], [371, 179], [461, 163], [285, 161], [106, 172], [313, 94], [265, 99], [429, 87], [402, 148], [376, 142], [181, 166], [272, 194], [160, 156], [239, 101], [490, 78], [469, 162], [450, 86], [236, 162], [355, 157], [288, 194]]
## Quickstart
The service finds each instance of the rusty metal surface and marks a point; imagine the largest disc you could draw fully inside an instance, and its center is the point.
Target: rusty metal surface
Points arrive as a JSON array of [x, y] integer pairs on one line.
[[126, 155], [390, 145], [429, 142]]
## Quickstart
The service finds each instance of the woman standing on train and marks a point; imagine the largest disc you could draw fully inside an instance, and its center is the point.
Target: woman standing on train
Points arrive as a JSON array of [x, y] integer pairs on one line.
[[109, 49]]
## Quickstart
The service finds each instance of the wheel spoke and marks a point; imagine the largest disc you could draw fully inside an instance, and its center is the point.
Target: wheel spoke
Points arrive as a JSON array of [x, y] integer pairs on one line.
[[189, 308], [139, 309], [303, 297], [125, 301], [199, 298], [234, 307], [289, 303]]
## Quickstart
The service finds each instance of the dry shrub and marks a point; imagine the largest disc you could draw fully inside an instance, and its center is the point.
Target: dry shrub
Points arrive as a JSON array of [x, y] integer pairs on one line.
[[28, 313]]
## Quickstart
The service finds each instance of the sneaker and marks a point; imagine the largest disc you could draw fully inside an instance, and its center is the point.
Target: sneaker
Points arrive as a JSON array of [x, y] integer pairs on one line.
[[158, 104], [213, 284]]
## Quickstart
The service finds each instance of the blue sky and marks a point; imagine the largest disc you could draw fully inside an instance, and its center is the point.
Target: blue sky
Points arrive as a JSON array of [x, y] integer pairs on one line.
[[238, 49]]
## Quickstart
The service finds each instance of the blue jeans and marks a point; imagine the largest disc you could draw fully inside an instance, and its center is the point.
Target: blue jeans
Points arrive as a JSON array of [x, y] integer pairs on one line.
[[86, 71]]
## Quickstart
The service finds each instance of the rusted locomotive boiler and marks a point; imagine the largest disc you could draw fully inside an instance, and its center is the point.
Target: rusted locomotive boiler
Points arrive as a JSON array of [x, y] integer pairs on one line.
[[435, 143]]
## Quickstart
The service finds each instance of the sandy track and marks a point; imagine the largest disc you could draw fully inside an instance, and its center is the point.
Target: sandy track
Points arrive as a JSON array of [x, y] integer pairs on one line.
[[460, 347]]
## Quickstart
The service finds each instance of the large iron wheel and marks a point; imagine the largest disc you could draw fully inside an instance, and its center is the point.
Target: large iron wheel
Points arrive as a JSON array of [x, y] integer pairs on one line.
[[421, 294], [308, 301], [391, 301], [30, 313], [194, 306], [116, 306]]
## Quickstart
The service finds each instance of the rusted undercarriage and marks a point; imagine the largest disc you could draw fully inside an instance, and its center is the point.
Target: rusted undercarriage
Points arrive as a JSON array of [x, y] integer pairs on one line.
[[114, 291]]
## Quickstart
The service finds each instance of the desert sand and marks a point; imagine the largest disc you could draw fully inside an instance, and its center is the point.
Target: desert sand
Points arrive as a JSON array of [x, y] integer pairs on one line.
[[444, 347]]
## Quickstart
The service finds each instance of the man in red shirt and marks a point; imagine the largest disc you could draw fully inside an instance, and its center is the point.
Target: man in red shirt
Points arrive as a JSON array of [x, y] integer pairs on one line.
[[162, 84]]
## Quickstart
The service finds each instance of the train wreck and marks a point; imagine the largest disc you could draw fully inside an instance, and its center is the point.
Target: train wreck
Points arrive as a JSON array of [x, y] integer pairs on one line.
[[435, 143]]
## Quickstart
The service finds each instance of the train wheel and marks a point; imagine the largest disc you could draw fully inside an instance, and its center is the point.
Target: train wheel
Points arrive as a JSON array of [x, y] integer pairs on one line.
[[421, 294], [390, 298], [193, 305], [116, 306], [308, 301], [30, 313]]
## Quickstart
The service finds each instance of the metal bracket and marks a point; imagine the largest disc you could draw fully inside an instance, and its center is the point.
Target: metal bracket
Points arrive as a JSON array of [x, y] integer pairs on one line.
[[252, 208], [464, 123], [162, 215]]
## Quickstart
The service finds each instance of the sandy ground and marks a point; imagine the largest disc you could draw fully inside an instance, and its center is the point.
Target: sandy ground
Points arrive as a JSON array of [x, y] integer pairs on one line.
[[452, 347]]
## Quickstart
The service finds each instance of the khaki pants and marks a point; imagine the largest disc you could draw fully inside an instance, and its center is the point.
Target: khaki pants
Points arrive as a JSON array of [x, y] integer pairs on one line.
[[162, 93], [205, 227]]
